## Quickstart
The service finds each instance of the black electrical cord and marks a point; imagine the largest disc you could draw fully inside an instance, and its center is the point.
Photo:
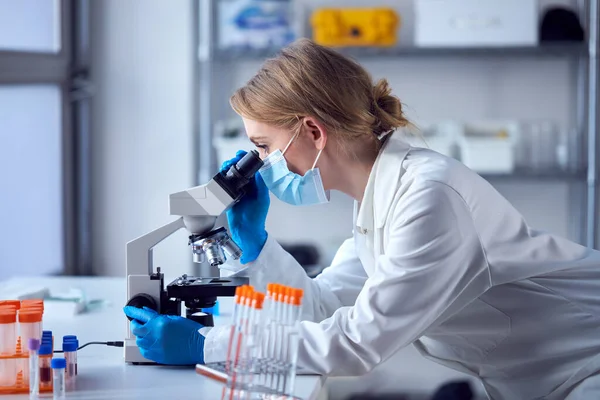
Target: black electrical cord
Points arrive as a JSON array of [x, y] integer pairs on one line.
[[113, 344]]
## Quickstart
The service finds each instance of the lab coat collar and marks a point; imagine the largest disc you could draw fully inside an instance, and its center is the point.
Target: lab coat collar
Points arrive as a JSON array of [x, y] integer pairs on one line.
[[382, 184]]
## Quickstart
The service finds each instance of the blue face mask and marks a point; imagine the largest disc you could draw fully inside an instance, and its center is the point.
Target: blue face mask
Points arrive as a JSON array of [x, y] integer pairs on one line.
[[292, 188]]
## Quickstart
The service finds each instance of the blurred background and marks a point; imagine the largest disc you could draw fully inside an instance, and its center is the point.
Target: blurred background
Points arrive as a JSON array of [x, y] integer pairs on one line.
[[108, 106]]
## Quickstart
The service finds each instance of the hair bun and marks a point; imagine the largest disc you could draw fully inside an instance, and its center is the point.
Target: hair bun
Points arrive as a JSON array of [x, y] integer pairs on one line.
[[387, 109]]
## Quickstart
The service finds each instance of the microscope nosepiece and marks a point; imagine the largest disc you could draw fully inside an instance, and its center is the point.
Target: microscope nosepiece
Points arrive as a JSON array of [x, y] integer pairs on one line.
[[233, 251], [214, 253]]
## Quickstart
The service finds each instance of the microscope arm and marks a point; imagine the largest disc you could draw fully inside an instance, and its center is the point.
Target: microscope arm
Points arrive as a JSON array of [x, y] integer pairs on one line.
[[139, 251]]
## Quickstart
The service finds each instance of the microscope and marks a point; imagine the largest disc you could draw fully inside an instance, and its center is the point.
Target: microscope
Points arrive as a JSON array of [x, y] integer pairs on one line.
[[198, 209]]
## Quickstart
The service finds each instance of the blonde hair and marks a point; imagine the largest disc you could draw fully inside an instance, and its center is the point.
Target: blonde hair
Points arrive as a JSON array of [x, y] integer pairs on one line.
[[307, 79]]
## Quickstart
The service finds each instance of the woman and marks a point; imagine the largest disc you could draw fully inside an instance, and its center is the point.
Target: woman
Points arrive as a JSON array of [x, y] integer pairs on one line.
[[438, 258]]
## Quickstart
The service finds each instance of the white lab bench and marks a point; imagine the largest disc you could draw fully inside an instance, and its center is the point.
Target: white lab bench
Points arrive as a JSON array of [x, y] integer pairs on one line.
[[102, 372]]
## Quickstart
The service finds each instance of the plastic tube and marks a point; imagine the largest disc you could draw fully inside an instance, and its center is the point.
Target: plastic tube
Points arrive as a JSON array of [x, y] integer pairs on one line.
[[237, 351], [45, 357], [8, 330], [58, 370], [8, 366], [30, 324], [294, 340], [235, 320], [279, 294], [282, 338], [70, 352], [34, 368], [253, 336], [266, 336], [73, 356]]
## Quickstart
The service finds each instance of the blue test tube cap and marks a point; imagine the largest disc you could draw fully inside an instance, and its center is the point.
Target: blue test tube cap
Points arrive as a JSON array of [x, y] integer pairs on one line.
[[46, 333], [58, 363], [70, 346], [45, 349], [66, 338]]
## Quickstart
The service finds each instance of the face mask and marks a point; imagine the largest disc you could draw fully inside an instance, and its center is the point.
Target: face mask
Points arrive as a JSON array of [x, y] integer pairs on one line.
[[292, 188]]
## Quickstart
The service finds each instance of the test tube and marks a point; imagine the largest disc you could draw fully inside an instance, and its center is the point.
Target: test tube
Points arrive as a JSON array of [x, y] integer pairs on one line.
[[293, 340], [255, 337], [239, 291], [282, 337], [30, 324], [265, 353], [45, 359], [8, 330], [236, 353], [70, 352], [58, 370], [34, 368], [8, 367], [274, 337]]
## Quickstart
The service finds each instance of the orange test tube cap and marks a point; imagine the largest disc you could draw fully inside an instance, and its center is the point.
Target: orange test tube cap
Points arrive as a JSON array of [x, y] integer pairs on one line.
[[8, 317], [297, 296], [260, 298], [32, 301], [30, 316], [32, 304], [15, 303], [8, 307]]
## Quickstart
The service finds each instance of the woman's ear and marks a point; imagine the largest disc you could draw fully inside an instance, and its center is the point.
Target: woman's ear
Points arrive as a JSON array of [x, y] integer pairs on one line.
[[316, 131]]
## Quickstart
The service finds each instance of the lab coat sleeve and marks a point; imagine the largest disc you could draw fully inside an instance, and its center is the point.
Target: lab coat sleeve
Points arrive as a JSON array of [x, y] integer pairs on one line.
[[433, 260], [337, 286]]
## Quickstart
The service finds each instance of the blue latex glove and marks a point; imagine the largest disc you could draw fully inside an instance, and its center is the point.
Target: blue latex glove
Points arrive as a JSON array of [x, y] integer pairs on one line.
[[247, 218], [166, 339]]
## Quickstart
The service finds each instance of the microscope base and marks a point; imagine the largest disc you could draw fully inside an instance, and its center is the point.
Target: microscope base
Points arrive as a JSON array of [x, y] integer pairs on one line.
[[132, 353]]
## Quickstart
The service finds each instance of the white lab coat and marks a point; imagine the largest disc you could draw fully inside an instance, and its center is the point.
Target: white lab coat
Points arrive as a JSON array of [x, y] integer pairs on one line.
[[440, 260]]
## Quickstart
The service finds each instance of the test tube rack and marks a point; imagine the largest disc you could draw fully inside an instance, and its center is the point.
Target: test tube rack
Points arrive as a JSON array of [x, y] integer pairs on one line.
[[14, 367], [261, 360], [19, 362], [217, 371]]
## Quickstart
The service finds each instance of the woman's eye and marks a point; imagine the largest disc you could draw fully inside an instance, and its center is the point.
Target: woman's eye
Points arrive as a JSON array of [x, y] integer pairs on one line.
[[263, 147]]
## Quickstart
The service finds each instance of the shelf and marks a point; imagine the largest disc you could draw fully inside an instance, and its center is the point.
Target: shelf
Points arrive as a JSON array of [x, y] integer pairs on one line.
[[568, 49], [547, 176]]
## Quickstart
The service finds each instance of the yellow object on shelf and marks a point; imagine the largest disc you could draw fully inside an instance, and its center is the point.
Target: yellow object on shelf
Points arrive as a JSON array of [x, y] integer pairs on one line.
[[355, 26]]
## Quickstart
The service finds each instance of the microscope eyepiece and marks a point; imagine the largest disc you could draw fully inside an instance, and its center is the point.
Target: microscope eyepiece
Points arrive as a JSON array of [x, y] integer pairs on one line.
[[237, 177], [249, 164]]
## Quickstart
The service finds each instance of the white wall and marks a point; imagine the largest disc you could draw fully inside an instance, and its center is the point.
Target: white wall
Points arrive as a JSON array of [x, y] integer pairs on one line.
[[142, 125]]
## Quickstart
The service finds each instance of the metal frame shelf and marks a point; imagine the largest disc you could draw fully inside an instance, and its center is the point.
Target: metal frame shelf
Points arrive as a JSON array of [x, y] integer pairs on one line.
[[546, 176], [569, 49], [584, 186]]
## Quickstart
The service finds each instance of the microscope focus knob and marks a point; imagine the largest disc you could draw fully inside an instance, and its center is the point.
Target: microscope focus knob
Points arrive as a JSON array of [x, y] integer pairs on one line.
[[142, 300]]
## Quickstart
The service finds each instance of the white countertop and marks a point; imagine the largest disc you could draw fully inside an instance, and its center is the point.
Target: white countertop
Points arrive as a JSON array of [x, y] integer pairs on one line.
[[103, 374]]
